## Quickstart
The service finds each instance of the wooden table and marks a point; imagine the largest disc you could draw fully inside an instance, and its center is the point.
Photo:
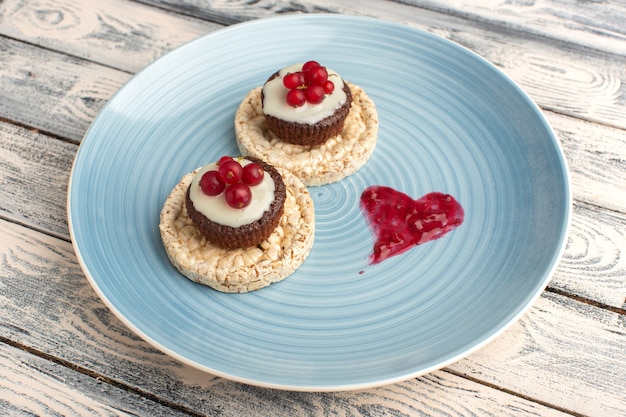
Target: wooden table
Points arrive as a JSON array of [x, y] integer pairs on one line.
[[62, 352]]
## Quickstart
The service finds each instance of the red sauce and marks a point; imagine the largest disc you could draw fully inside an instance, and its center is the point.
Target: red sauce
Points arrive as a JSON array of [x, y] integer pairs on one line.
[[399, 222]]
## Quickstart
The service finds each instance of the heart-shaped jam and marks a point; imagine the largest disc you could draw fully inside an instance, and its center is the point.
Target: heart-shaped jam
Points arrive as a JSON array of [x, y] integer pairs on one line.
[[398, 222]]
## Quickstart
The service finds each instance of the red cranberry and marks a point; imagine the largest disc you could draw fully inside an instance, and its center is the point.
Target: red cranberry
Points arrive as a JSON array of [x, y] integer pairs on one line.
[[317, 75], [230, 171], [253, 174], [294, 80], [238, 195], [314, 94], [296, 98], [211, 184]]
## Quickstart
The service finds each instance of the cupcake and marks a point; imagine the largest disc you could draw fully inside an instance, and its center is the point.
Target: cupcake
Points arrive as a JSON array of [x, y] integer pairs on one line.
[[306, 104], [238, 229], [236, 203]]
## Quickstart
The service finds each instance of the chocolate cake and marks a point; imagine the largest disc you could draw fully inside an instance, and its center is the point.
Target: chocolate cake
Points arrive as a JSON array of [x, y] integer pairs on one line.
[[305, 123], [246, 235]]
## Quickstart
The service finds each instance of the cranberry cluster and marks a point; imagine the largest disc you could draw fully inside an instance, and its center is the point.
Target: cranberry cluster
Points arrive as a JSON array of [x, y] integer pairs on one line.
[[232, 179], [309, 85]]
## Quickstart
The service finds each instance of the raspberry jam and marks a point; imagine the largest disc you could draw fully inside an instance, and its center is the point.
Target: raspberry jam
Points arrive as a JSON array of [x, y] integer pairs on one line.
[[398, 222]]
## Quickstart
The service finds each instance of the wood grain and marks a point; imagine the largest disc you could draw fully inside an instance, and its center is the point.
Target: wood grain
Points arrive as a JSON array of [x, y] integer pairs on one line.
[[599, 83], [591, 23], [595, 24], [70, 92], [596, 158], [70, 322], [32, 386], [120, 34], [593, 265], [547, 348], [231, 12], [34, 173]]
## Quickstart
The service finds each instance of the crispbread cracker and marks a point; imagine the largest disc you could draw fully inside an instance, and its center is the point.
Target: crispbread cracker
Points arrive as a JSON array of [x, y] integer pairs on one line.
[[239, 270], [329, 162]]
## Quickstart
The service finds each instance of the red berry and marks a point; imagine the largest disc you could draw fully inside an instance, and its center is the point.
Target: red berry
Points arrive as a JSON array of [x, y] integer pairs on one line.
[[314, 94], [296, 98], [294, 80], [211, 184], [224, 159], [230, 171], [328, 86], [308, 65], [317, 75], [253, 174], [238, 195]]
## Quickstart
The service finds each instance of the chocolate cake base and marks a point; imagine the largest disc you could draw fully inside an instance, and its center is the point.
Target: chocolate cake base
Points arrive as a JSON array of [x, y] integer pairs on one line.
[[311, 134], [246, 235]]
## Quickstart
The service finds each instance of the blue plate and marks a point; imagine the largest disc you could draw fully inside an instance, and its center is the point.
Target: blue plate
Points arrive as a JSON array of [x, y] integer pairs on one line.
[[449, 122]]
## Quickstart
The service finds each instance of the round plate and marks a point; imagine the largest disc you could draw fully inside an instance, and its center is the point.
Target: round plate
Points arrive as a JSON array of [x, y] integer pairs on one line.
[[449, 122]]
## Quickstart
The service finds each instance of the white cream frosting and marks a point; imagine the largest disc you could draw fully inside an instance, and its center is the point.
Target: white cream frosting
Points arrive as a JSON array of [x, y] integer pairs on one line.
[[275, 103], [216, 208]]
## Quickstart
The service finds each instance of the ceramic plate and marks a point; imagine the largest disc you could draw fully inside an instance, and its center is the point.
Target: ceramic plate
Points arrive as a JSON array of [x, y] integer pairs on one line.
[[449, 122]]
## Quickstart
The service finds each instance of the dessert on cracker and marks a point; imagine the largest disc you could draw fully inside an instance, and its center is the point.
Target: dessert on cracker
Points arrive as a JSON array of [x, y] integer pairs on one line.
[[238, 224], [307, 119]]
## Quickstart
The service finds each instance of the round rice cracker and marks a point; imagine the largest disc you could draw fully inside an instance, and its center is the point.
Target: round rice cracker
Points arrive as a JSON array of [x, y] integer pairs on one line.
[[246, 269], [332, 161]]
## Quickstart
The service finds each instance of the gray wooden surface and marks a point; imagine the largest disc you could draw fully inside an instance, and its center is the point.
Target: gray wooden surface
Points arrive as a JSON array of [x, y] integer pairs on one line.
[[62, 352]]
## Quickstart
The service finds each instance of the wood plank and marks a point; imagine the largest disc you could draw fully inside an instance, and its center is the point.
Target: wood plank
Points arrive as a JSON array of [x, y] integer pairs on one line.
[[567, 79], [561, 344], [494, 39], [595, 155], [596, 158], [67, 320], [595, 24], [70, 92], [34, 173], [32, 386], [593, 265], [228, 12], [71, 111], [116, 33]]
